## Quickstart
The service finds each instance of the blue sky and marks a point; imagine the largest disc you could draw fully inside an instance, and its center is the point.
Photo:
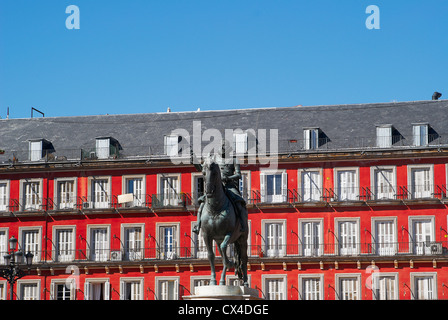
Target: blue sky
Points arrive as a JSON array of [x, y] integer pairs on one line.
[[141, 56]]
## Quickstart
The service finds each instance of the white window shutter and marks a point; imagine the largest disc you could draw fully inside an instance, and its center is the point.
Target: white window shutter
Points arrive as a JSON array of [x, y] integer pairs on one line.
[[284, 186], [73, 289], [263, 187], [416, 135], [306, 139], [86, 291], [52, 291], [107, 290], [122, 290]]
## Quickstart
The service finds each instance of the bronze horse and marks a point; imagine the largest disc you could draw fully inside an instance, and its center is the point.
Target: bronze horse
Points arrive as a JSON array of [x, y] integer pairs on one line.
[[220, 223]]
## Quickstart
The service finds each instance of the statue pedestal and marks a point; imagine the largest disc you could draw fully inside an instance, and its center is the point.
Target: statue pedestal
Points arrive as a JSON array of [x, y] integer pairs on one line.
[[224, 293]]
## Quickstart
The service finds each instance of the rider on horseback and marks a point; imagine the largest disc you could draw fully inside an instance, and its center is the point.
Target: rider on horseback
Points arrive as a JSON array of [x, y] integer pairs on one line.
[[230, 176]]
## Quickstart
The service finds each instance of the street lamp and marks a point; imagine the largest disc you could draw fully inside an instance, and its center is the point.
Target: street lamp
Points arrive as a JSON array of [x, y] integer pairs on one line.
[[14, 262]]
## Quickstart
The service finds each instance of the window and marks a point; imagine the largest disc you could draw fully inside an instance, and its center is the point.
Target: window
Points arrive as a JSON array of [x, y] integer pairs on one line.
[[274, 287], [30, 239], [198, 282], [35, 150], [385, 238], [421, 181], [424, 286], [384, 183], [384, 136], [65, 194], [4, 195], [133, 241], [99, 193], [3, 290], [240, 143], [311, 287], [311, 139], [348, 236], [346, 184], [4, 243], [168, 238], [64, 241], [310, 185], [244, 185], [63, 289], [385, 286], [422, 234], [348, 287], [97, 289], [420, 135], [311, 237], [31, 194], [167, 288], [136, 187], [28, 289], [198, 186], [274, 187], [274, 234], [200, 249], [169, 190], [99, 242], [172, 145], [131, 289]]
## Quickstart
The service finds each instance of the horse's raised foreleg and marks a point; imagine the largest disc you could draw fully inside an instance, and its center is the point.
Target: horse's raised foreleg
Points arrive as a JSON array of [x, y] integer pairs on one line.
[[211, 258]]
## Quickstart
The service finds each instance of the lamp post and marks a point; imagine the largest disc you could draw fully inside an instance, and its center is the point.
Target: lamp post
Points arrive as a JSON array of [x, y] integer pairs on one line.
[[13, 262]]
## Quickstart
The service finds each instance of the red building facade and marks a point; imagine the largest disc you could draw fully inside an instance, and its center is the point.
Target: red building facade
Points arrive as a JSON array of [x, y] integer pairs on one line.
[[353, 224]]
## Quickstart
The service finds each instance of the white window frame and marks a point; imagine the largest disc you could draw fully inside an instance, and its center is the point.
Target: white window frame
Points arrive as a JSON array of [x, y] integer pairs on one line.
[[341, 191], [419, 247], [276, 198], [24, 196], [160, 236], [311, 138], [416, 275], [171, 197], [37, 255], [123, 284], [21, 283], [340, 276], [106, 287], [377, 277], [101, 151], [384, 140], [57, 200], [137, 253], [55, 282], [36, 153], [319, 276], [415, 191], [388, 194], [279, 245], [103, 256], [4, 247], [3, 289], [264, 284], [136, 202], [94, 203], [158, 283], [354, 247], [55, 243], [310, 196], [304, 249], [4, 196], [384, 248], [245, 184], [418, 137], [239, 143], [171, 148]]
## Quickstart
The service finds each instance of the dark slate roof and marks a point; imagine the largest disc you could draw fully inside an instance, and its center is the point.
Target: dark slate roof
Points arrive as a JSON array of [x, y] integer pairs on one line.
[[343, 126]]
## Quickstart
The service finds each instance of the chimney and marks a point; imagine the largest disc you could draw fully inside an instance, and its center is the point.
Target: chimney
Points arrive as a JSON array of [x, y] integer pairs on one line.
[[436, 95]]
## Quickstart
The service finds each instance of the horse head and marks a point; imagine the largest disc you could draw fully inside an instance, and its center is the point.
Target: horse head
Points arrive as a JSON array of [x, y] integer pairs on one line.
[[212, 174]]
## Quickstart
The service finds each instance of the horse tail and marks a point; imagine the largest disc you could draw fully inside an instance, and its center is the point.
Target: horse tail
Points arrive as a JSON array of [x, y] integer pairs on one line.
[[238, 261]]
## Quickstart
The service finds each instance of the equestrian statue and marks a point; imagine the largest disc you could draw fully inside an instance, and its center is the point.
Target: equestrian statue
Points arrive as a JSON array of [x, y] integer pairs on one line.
[[222, 214]]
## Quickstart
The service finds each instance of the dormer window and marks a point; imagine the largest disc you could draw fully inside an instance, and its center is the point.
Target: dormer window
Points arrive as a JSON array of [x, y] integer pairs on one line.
[[39, 148], [310, 138], [240, 143], [420, 136], [384, 136], [106, 147], [172, 145]]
